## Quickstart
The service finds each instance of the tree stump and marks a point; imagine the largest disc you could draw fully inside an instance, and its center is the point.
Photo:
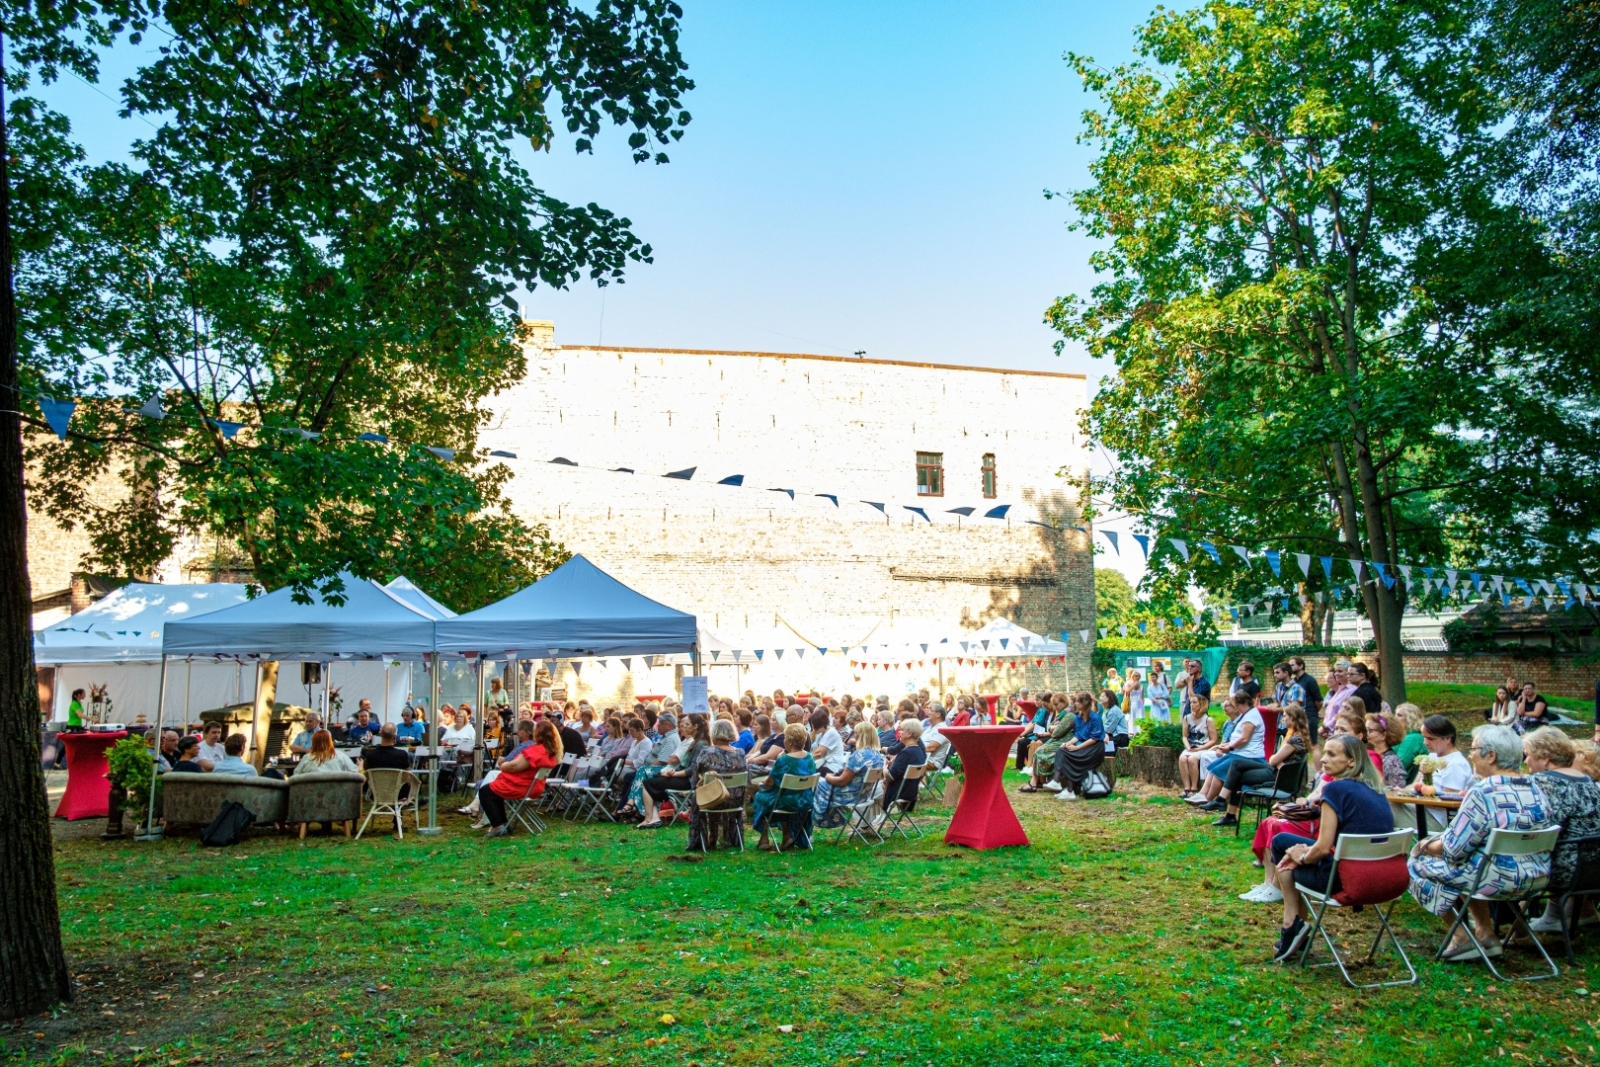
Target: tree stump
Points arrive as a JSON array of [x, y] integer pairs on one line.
[[1150, 763]]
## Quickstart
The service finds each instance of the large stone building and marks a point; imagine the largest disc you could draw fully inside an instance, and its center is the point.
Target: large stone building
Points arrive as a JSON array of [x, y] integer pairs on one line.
[[778, 562]]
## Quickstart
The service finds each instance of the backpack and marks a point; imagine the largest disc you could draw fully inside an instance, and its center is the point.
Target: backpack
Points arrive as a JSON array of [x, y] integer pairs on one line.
[[1095, 786], [228, 827]]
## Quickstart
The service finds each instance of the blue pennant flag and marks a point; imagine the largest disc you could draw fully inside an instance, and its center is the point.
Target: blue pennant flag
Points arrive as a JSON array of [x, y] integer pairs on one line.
[[563, 461], [1275, 561], [1235, 613], [618, 470], [1327, 566], [828, 496], [503, 454], [965, 513], [1144, 543], [732, 479], [382, 440], [1523, 585], [918, 511], [1285, 603], [997, 512], [683, 475], [228, 428], [1383, 574], [1477, 583], [58, 413], [1211, 550], [1112, 537], [446, 454], [789, 491], [1179, 623], [1143, 627], [875, 504]]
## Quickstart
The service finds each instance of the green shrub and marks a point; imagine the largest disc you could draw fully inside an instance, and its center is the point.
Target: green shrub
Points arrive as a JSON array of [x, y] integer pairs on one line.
[[1160, 735], [131, 766]]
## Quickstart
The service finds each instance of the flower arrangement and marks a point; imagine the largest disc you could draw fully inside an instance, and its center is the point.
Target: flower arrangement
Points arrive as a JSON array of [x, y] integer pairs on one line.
[[1429, 765]]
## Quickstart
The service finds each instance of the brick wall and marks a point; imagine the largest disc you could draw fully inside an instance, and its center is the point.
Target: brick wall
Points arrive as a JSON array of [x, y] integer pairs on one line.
[[762, 570], [1553, 675]]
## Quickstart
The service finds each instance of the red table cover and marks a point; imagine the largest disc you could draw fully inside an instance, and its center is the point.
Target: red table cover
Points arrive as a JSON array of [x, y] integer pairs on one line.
[[983, 817], [88, 794], [992, 699]]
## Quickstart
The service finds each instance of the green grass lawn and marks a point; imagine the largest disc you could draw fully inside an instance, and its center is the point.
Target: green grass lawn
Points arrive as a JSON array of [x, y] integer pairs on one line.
[[1115, 939], [1444, 698]]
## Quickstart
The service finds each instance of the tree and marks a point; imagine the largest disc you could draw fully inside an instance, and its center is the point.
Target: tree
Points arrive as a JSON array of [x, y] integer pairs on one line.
[[1265, 174], [308, 269]]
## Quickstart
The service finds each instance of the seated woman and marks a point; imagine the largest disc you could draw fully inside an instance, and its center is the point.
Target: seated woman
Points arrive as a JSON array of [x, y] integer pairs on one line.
[[1503, 712], [522, 739], [1444, 868], [838, 793], [1349, 806], [1383, 733], [1115, 720], [1412, 744], [1044, 757], [518, 775], [1085, 752], [1252, 772], [670, 737], [678, 774], [1246, 743], [324, 758], [1572, 802], [794, 761], [1199, 735], [721, 757], [911, 754]]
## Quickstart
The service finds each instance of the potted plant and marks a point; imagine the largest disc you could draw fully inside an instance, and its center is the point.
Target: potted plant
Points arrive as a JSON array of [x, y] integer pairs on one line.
[[130, 767]]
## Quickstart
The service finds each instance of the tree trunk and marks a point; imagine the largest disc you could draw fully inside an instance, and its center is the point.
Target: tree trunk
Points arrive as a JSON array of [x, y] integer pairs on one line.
[[1311, 615], [261, 720], [33, 967]]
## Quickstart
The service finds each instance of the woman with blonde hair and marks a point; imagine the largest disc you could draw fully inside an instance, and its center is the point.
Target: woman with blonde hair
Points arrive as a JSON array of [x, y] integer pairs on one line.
[[794, 761], [1412, 744], [1383, 733]]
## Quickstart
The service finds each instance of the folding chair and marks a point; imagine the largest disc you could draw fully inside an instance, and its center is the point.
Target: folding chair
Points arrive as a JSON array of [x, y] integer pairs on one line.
[[794, 784], [386, 783], [594, 797], [731, 782], [555, 796], [679, 799], [1286, 786], [858, 820], [1506, 843], [577, 786], [1355, 849], [1585, 884], [524, 809], [897, 811]]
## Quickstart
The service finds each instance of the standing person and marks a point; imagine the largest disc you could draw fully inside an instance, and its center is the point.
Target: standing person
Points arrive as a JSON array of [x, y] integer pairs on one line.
[[1366, 683], [1133, 696], [498, 697], [1285, 690], [1160, 693], [75, 710], [1245, 681], [1340, 689], [1310, 690]]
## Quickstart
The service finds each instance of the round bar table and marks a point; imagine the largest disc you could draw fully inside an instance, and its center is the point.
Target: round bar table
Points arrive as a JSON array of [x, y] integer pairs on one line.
[[88, 793], [983, 817], [993, 699]]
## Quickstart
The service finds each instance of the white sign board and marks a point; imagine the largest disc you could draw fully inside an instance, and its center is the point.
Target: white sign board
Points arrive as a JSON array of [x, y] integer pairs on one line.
[[695, 696]]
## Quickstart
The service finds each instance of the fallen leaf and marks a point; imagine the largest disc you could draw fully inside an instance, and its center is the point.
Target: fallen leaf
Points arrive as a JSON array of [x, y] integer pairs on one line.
[[668, 1019]]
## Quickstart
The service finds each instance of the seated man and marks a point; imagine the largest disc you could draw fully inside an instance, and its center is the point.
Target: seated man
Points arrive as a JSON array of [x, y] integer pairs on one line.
[[387, 755], [184, 756], [302, 740], [233, 762], [211, 750], [363, 728], [169, 751], [410, 727]]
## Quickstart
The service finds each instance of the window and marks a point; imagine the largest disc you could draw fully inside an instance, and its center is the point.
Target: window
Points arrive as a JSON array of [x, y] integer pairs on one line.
[[930, 474], [991, 488]]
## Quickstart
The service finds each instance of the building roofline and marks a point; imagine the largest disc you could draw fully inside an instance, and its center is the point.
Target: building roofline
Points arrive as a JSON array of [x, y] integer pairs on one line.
[[828, 359]]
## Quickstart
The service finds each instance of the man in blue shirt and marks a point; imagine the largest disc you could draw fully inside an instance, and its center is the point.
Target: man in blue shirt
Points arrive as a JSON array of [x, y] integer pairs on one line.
[[409, 728], [233, 762], [364, 727]]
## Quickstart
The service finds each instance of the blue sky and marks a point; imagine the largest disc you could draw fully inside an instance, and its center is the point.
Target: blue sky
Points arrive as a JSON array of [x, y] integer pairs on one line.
[[858, 176]]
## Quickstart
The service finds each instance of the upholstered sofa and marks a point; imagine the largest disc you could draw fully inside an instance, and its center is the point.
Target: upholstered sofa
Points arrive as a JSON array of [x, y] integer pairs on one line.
[[329, 797], [195, 799]]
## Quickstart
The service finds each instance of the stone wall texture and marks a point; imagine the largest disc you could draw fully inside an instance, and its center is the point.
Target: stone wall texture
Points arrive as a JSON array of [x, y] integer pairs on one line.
[[766, 568], [1561, 676]]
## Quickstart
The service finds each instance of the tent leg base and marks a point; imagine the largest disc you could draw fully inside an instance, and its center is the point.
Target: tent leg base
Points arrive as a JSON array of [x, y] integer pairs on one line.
[[154, 835], [429, 831]]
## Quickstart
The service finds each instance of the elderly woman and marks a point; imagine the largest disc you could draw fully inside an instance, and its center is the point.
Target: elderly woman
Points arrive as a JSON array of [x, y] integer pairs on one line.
[[1339, 688], [678, 774], [838, 793], [910, 754], [794, 761], [1444, 869], [1572, 801], [721, 757]]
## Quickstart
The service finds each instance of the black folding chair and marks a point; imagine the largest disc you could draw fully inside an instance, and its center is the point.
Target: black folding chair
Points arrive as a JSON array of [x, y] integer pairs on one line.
[[1585, 884], [1286, 785]]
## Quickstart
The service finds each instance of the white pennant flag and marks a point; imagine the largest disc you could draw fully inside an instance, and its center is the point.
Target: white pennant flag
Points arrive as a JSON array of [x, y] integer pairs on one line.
[[1182, 547], [1304, 559], [1355, 565], [1123, 629], [1450, 578], [1103, 632], [1085, 635]]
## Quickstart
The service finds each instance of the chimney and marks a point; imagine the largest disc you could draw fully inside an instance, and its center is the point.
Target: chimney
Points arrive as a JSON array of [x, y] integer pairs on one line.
[[539, 333]]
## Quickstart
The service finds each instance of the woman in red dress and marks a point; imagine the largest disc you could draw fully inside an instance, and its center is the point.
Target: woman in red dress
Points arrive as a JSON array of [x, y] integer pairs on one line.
[[518, 778]]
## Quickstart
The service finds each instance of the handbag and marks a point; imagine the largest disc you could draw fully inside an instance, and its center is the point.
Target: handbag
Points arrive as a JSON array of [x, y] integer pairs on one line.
[[710, 792]]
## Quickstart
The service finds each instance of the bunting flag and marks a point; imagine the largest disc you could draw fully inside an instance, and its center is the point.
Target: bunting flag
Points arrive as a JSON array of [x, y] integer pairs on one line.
[[684, 475], [1274, 560], [1355, 566], [732, 479], [1181, 546], [789, 491], [828, 496], [1084, 634], [1304, 559], [627, 663], [229, 429], [1143, 628], [150, 409], [446, 454], [1103, 632], [577, 667], [998, 512], [58, 414], [877, 505], [1327, 566], [1211, 550], [1123, 629], [1242, 552], [1111, 536], [1144, 543], [378, 438], [917, 511]]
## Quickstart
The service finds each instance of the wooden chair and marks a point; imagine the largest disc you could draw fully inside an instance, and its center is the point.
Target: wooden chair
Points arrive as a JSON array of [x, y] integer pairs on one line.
[[386, 784]]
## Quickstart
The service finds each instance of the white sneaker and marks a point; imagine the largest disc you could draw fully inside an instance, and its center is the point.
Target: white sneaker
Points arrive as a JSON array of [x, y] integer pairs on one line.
[[1548, 923], [1263, 894], [1066, 794], [1053, 786]]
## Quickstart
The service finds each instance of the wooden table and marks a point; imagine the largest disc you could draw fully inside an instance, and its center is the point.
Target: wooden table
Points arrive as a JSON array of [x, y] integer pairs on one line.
[[1422, 804]]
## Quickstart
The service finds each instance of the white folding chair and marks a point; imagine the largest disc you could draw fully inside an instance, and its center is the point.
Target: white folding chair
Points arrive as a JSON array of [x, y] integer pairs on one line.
[[897, 809], [386, 784], [554, 798], [733, 783], [525, 809], [595, 797], [1360, 848], [859, 816], [1511, 843], [794, 784]]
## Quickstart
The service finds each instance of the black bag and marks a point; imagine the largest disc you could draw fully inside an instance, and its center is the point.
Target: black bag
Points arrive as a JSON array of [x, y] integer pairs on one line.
[[228, 827]]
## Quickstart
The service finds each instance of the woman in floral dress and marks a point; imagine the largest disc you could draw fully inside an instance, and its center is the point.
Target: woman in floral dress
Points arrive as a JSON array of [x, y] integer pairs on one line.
[[798, 762], [838, 793], [720, 757]]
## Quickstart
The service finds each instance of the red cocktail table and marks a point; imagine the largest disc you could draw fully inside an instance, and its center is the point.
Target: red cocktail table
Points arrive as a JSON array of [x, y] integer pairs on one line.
[[993, 699], [983, 817], [88, 793]]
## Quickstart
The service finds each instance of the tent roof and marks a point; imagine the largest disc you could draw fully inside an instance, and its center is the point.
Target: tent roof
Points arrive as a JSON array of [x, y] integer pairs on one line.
[[1018, 639], [406, 590], [371, 623], [128, 624], [575, 610]]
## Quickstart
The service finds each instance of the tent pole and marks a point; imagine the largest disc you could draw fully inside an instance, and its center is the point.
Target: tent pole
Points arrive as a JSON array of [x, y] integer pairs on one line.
[[151, 833], [483, 711], [432, 660]]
